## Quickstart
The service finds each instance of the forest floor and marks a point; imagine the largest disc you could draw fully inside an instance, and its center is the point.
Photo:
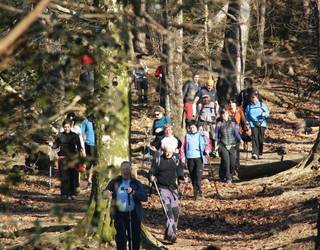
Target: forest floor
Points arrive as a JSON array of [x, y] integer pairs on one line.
[[248, 215]]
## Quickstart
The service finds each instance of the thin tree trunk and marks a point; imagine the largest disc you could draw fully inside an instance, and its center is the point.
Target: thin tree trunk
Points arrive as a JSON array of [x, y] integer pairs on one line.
[[206, 28], [261, 28], [174, 52], [140, 29], [318, 32]]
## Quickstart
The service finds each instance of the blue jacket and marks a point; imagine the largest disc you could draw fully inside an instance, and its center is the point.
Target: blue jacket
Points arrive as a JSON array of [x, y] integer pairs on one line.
[[159, 123], [254, 112], [87, 128], [193, 146], [139, 195]]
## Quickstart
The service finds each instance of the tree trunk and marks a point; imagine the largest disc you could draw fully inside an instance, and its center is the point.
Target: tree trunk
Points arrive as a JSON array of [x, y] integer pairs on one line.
[[227, 83], [234, 50], [318, 32], [206, 28], [174, 51], [261, 27], [140, 29]]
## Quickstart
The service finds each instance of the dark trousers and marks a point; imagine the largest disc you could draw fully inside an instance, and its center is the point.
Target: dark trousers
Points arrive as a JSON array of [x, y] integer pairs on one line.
[[228, 162], [91, 152], [237, 166], [142, 87], [69, 179], [123, 228], [257, 140], [195, 167]]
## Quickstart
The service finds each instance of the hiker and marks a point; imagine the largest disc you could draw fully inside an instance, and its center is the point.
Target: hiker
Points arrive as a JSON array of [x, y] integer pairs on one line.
[[161, 86], [76, 129], [193, 151], [165, 171], [140, 79], [88, 133], [126, 210], [208, 114], [237, 116], [70, 147], [209, 90], [189, 91], [86, 81], [227, 137], [158, 124], [244, 96], [256, 114], [169, 139]]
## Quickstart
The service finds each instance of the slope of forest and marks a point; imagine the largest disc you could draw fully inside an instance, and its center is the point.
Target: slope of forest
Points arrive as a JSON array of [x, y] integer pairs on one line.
[[275, 204]]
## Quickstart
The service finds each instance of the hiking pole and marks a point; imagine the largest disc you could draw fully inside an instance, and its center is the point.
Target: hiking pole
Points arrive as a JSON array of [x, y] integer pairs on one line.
[[164, 208], [130, 224]]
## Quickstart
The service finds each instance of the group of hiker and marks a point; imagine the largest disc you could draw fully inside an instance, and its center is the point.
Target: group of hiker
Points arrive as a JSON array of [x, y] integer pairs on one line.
[[211, 131]]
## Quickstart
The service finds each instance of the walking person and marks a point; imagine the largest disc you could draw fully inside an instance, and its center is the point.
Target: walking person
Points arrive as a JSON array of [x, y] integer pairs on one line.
[[227, 139], [238, 117], [88, 133], [193, 151], [69, 146], [256, 114], [165, 171], [189, 91], [140, 78], [127, 193], [243, 99], [161, 86], [87, 79]]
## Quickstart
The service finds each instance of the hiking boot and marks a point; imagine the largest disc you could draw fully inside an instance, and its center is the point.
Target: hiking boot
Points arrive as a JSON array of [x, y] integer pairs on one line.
[[229, 181], [235, 177], [254, 156], [69, 197], [260, 156]]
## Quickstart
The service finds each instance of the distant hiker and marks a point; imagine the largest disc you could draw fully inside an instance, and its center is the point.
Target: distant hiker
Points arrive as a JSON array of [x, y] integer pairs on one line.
[[161, 86], [227, 137], [69, 146], [88, 133], [209, 90], [158, 124], [169, 139], [126, 210], [189, 91], [87, 73], [238, 117], [244, 96], [166, 170], [194, 147], [140, 78], [256, 114], [207, 116]]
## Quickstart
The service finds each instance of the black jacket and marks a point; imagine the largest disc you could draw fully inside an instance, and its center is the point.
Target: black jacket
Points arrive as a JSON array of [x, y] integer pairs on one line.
[[167, 171]]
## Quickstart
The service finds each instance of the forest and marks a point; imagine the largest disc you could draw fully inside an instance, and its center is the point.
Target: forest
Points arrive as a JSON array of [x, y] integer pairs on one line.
[[113, 69]]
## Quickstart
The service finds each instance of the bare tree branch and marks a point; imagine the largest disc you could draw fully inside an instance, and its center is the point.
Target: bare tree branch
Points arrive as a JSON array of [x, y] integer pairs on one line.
[[22, 26]]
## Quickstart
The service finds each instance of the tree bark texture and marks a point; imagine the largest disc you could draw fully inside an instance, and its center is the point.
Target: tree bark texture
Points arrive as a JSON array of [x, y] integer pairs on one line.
[[174, 54], [234, 50], [140, 29], [261, 28]]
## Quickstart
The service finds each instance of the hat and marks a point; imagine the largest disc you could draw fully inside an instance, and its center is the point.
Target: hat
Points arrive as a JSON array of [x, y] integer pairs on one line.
[[71, 116], [86, 59], [159, 109], [192, 122]]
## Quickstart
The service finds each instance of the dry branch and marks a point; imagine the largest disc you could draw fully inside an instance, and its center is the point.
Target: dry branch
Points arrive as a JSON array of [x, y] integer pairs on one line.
[[22, 26]]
